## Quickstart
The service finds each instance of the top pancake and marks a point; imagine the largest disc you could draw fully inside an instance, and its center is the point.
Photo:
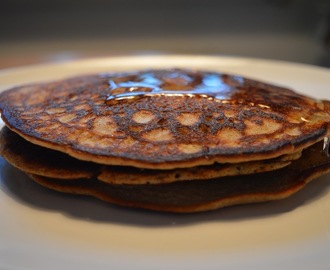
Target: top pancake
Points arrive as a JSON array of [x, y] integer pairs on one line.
[[165, 118]]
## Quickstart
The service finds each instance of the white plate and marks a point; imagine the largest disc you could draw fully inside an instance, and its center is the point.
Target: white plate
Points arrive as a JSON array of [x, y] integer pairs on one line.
[[41, 229]]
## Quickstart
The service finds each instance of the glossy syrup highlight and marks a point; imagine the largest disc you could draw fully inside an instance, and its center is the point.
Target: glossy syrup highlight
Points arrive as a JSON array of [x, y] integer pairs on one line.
[[175, 83], [326, 146]]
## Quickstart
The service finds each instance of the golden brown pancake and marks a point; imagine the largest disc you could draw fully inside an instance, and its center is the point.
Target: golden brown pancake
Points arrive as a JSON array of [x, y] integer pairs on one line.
[[41, 161], [194, 196], [165, 119], [170, 140]]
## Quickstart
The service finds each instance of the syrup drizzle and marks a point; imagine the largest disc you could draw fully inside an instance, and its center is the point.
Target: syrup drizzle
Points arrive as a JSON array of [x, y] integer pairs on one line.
[[176, 83], [326, 146]]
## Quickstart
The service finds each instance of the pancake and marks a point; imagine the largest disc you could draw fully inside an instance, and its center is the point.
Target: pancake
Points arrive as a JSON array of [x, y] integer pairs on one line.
[[195, 196], [165, 119], [41, 161], [171, 140], [32, 158]]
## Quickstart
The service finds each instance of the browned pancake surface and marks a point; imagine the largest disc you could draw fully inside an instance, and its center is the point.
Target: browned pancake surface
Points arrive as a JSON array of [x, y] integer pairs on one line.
[[165, 118], [193, 196], [42, 161]]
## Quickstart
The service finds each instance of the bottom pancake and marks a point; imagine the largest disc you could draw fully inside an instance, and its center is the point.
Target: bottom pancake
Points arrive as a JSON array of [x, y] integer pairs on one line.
[[203, 195]]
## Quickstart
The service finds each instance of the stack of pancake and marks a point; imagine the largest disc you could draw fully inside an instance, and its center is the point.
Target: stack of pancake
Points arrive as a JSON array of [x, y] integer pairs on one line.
[[170, 140]]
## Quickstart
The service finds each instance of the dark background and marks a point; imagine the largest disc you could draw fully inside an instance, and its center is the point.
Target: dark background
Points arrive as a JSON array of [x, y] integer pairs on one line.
[[39, 30]]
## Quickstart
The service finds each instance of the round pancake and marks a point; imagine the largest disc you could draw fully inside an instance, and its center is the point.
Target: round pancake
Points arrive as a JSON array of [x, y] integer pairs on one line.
[[41, 161], [165, 119], [195, 196]]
